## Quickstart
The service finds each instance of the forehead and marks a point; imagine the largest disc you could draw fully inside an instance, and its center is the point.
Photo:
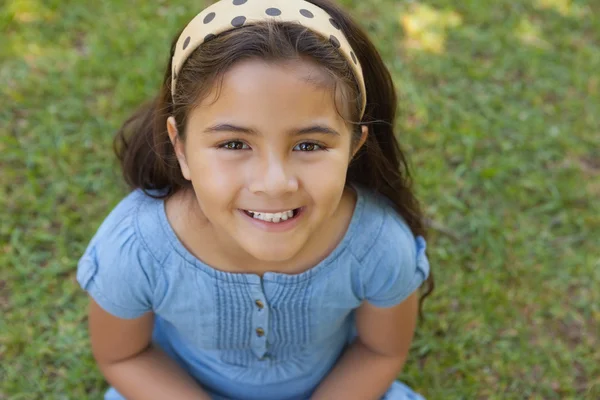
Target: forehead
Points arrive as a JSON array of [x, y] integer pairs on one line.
[[274, 93]]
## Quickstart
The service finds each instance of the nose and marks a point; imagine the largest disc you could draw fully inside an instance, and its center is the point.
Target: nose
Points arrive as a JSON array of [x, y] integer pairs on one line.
[[273, 177]]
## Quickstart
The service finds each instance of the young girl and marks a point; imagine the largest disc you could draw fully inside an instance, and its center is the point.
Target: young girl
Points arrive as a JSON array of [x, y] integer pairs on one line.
[[272, 247]]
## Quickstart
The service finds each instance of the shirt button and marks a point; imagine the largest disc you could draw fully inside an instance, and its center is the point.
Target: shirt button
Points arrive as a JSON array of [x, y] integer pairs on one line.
[[260, 332], [259, 304]]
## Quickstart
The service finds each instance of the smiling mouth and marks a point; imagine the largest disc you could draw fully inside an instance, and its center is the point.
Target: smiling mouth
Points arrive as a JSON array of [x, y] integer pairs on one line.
[[274, 217]]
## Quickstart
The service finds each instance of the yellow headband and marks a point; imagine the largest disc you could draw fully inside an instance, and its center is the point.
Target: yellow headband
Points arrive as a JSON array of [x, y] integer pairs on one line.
[[229, 14]]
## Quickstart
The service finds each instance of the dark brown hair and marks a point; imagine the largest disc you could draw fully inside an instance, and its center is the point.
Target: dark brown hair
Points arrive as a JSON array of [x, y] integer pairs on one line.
[[147, 156]]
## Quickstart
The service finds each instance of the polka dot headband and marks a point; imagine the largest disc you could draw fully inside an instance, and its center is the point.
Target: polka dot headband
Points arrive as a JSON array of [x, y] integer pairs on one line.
[[229, 14]]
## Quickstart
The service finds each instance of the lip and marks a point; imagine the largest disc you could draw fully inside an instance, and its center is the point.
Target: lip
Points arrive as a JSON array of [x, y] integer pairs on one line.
[[283, 226]]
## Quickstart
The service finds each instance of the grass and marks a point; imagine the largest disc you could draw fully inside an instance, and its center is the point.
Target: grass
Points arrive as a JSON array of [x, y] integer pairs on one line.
[[500, 115]]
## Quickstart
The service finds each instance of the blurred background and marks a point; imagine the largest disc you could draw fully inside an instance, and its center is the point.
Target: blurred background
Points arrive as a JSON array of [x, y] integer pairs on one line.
[[499, 113]]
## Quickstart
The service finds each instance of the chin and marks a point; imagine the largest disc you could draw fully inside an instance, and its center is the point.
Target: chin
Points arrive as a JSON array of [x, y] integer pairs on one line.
[[272, 253]]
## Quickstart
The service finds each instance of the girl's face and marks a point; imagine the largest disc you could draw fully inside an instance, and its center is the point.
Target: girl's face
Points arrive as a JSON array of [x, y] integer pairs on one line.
[[267, 156]]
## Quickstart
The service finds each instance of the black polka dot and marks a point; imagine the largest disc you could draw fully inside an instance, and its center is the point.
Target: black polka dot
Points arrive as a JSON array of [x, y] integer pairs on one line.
[[209, 17], [334, 41], [306, 13], [208, 37], [186, 42], [353, 57], [335, 24], [238, 21], [239, 2], [273, 12]]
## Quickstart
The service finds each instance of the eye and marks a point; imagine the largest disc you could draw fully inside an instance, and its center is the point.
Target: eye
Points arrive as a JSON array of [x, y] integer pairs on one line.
[[234, 145], [309, 147]]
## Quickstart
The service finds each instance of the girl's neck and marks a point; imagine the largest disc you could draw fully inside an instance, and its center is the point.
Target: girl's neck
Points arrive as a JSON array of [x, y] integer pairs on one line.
[[216, 250]]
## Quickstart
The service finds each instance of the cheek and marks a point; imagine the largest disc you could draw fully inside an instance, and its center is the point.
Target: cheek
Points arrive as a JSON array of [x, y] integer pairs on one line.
[[213, 177], [326, 178]]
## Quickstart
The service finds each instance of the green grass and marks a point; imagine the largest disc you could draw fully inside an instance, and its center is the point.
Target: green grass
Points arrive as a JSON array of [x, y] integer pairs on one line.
[[501, 118]]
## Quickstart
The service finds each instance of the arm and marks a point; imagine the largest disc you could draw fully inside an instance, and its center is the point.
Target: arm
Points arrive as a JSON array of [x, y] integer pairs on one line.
[[122, 348], [375, 359]]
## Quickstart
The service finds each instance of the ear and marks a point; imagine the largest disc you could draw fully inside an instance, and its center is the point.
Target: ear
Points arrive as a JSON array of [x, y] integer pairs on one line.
[[363, 138], [178, 146]]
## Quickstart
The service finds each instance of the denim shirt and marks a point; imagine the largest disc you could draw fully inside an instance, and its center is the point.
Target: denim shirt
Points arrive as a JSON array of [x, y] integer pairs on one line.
[[241, 335]]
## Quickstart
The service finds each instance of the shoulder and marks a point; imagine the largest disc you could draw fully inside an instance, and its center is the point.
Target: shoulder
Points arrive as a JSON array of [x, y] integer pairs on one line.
[[117, 262], [135, 222], [381, 229], [120, 226], [392, 260]]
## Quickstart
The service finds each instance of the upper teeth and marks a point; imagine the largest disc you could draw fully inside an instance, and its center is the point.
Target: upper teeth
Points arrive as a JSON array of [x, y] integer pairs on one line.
[[272, 217]]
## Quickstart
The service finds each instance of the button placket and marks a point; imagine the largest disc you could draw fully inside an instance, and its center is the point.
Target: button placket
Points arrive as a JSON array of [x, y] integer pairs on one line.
[[260, 322]]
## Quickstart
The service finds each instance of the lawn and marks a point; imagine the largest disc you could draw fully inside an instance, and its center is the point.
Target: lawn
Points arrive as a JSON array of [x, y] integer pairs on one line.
[[500, 113]]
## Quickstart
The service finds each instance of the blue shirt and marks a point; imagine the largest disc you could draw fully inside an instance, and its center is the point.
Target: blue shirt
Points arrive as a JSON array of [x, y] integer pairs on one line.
[[240, 335]]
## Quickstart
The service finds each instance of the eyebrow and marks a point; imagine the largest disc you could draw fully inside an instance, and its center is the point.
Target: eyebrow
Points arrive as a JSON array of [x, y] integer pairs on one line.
[[303, 131]]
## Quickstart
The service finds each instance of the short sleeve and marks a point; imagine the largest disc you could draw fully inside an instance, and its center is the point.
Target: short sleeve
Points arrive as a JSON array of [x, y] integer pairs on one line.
[[116, 270], [396, 265]]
